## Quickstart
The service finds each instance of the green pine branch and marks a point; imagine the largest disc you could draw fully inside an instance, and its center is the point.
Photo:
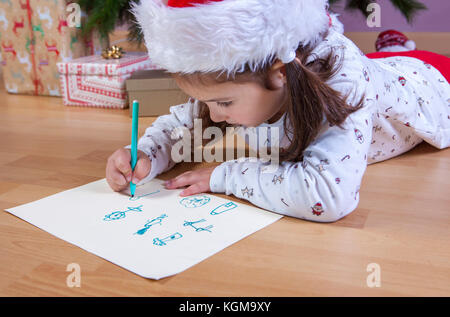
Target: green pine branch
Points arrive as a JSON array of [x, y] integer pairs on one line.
[[409, 8], [105, 15]]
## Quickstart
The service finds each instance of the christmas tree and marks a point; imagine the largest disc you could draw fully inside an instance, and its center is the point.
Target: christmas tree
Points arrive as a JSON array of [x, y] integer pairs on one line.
[[105, 15]]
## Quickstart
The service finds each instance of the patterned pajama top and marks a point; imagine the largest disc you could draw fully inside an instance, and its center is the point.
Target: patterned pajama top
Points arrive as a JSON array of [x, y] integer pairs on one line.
[[407, 101]]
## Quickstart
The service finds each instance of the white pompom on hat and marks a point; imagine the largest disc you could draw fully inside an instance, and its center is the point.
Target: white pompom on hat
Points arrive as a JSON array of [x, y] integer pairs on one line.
[[188, 36]]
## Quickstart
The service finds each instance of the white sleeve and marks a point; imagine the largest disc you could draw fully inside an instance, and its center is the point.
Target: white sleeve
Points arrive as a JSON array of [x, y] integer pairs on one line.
[[157, 142], [324, 187]]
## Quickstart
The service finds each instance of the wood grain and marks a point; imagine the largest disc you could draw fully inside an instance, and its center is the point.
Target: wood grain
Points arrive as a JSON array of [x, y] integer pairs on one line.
[[402, 222]]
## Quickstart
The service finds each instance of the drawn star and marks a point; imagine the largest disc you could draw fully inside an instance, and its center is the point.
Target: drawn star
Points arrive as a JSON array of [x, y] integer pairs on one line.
[[247, 191], [277, 179]]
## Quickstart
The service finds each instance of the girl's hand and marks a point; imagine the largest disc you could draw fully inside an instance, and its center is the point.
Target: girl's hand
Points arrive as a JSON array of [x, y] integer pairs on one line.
[[119, 172], [198, 181]]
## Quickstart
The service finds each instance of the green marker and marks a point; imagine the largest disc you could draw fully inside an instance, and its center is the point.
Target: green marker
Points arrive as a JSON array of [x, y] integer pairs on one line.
[[134, 137]]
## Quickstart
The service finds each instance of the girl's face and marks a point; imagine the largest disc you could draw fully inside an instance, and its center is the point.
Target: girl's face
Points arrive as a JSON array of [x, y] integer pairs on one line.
[[247, 104]]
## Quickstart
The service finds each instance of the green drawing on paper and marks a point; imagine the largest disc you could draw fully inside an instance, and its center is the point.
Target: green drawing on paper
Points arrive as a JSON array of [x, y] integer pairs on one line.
[[150, 223], [197, 229], [163, 241], [137, 197], [222, 208], [195, 201], [116, 215]]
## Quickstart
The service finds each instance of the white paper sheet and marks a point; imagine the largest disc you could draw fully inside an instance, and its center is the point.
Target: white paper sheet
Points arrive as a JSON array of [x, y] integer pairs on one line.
[[155, 235]]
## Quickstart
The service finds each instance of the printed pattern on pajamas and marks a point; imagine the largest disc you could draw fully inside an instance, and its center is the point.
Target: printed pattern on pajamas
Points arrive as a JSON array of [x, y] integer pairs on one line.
[[407, 101]]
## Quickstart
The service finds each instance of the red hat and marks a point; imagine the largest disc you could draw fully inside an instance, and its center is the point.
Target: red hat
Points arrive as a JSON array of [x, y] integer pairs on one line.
[[393, 38], [190, 36], [186, 3]]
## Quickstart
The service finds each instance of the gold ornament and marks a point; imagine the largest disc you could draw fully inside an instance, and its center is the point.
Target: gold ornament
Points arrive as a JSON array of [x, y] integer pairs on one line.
[[114, 51]]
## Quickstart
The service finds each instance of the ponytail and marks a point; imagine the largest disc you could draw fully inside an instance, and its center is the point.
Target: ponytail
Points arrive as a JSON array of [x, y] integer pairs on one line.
[[312, 101]]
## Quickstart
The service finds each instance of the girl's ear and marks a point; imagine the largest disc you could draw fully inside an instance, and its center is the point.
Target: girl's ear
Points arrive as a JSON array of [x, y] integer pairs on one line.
[[277, 75]]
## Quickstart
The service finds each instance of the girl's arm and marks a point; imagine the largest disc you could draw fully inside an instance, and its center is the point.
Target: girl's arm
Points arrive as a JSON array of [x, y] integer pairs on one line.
[[323, 187], [157, 140]]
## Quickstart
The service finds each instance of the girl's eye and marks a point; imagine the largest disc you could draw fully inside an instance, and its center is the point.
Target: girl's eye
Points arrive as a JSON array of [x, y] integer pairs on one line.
[[224, 104]]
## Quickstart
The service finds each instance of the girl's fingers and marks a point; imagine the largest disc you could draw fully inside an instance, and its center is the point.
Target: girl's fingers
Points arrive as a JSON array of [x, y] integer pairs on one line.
[[181, 180], [116, 180], [191, 190], [141, 169], [122, 163]]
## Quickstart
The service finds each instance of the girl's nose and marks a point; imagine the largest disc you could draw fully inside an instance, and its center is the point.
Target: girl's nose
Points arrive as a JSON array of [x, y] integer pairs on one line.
[[216, 116]]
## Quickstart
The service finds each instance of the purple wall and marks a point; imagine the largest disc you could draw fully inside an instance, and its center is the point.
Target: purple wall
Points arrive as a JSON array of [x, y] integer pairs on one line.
[[435, 19]]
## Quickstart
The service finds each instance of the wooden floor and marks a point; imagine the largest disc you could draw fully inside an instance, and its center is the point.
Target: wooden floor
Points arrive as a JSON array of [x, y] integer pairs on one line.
[[401, 224]]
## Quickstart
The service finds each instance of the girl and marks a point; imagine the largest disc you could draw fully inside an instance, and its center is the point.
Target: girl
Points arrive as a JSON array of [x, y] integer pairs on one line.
[[285, 65]]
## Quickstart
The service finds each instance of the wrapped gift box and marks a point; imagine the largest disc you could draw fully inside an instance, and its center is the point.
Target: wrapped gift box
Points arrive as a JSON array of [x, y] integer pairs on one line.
[[97, 82], [35, 36], [156, 92]]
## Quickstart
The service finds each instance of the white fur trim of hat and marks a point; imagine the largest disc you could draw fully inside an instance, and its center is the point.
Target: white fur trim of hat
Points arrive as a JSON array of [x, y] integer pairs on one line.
[[225, 35]]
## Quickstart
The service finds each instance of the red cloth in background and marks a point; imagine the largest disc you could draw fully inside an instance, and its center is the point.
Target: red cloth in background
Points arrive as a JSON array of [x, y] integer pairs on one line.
[[440, 62]]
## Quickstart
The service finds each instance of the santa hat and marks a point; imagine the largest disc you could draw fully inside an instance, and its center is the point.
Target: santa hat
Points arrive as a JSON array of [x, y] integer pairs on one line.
[[189, 36], [393, 40]]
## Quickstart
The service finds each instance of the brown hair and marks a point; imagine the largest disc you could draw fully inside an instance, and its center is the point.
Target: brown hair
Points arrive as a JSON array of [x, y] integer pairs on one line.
[[310, 100]]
